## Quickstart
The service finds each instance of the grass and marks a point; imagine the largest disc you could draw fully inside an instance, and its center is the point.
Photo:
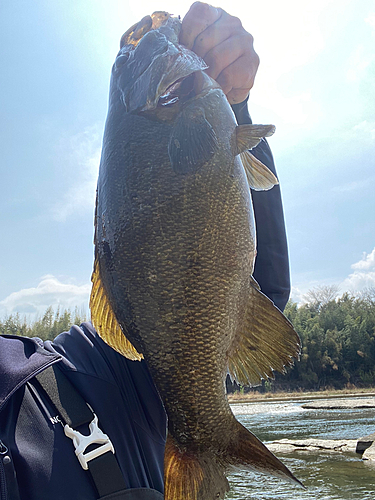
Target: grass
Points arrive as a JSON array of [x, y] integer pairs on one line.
[[326, 393]]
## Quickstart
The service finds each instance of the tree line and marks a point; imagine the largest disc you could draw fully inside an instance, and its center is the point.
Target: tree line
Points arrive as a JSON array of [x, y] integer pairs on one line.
[[46, 327], [338, 340], [337, 334], [338, 343]]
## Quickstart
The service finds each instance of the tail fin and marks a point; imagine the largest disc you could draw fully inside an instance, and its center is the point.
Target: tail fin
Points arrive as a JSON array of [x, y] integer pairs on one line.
[[201, 476], [246, 451]]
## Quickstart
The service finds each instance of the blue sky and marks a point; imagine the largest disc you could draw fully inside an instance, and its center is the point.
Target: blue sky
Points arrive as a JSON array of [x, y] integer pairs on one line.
[[316, 83]]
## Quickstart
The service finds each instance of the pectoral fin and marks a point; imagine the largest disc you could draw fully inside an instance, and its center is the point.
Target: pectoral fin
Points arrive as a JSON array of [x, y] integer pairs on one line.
[[193, 142], [266, 343], [104, 319]]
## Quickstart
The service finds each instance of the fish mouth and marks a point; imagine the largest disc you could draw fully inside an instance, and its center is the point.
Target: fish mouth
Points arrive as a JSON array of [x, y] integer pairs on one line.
[[163, 76], [185, 89], [178, 92], [152, 69]]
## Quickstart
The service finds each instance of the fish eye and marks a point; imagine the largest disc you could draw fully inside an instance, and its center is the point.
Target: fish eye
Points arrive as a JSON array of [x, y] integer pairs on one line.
[[121, 60]]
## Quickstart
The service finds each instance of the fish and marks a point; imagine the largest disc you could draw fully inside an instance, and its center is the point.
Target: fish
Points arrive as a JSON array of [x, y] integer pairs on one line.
[[175, 246]]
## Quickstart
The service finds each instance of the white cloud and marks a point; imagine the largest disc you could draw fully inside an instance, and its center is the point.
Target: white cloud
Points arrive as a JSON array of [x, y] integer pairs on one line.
[[371, 20], [297, 295], [359, 60], [350, 186], [366, 263], [50, 291], [358, 281], [366, 128], [363, 275], [83, 151], [298, 110]]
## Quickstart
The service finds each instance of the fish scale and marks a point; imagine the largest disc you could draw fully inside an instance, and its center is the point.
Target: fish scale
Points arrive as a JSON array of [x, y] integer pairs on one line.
[[174, 253]]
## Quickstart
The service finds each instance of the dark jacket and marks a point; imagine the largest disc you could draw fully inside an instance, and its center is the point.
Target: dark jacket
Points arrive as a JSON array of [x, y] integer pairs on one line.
[[32, 442], [272, 261], [121, 393]]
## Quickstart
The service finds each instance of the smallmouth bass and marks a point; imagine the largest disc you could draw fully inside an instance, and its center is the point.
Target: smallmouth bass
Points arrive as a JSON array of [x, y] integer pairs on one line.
[[174, 254]]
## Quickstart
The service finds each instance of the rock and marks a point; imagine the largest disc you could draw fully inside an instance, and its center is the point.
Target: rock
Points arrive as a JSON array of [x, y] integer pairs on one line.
[[313, 445], [340, 404], [364, 443], [369, 454]]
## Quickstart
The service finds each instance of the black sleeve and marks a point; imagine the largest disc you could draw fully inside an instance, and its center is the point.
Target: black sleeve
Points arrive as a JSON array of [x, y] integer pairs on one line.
[[272, 261]]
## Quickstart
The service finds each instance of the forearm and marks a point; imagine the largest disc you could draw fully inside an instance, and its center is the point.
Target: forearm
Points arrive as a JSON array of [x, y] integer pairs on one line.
[[272, 261]]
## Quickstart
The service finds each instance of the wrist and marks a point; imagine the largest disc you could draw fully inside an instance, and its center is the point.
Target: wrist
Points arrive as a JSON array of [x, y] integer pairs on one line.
[[241, 112]]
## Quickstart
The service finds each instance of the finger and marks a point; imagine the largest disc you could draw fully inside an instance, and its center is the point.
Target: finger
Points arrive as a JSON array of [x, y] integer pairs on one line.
[[235, 96], [237, 79], [225, 27], [227, 52], [198, 18]]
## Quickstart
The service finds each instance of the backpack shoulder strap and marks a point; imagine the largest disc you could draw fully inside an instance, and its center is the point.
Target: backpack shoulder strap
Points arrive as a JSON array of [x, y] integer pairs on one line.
[[74, 411]]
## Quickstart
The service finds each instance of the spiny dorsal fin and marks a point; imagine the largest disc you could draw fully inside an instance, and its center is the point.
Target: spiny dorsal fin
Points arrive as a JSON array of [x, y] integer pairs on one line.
[[104, 320], [259, 177], [249, 135], [267, 341]]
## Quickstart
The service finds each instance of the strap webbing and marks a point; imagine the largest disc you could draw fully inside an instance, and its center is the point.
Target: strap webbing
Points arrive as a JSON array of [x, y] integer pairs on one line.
[[69, 404], [136, 494], [74, 411], [107, 475]]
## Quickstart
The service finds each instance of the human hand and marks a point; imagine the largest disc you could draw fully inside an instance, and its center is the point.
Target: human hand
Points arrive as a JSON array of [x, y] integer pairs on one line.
[[226, 47]]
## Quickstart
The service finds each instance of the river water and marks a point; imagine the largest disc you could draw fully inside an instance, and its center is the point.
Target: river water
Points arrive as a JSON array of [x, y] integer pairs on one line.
[[326, 475]]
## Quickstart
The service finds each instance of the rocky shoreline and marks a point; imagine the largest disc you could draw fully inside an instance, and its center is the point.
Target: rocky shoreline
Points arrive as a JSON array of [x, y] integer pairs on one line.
[[296, 396], [364, 446], [340, 404]]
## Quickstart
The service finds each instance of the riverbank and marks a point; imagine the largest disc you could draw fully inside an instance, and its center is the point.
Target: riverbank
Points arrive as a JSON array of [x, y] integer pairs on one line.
[[299, 395], [321, 447]]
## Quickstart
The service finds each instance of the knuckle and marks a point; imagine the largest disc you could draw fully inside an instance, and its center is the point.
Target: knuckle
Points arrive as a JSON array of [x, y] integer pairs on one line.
[[200, 8], [256, 60], [233, 22], [236, 22], [248, 39], [248, 49]]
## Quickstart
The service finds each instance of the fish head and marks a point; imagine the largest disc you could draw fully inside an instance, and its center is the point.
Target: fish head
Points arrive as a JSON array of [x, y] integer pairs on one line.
[[153, 74]]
